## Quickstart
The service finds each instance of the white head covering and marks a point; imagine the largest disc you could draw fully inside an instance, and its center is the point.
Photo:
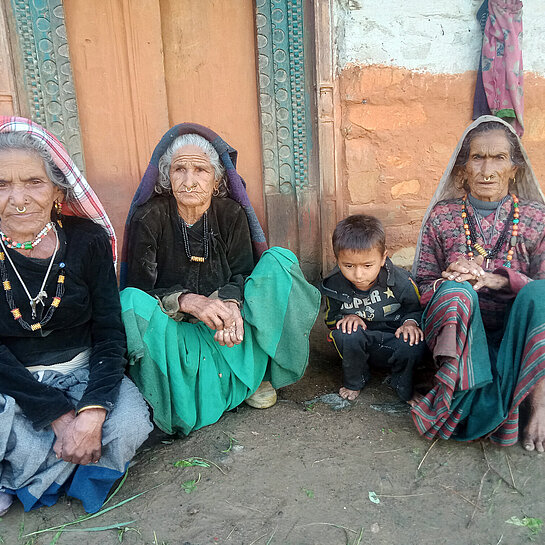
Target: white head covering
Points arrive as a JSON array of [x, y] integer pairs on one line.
[[527, 186], [84, 202]]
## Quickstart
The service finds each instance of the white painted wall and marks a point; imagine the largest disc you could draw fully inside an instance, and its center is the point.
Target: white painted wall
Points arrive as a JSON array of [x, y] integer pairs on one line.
[[438, 36]]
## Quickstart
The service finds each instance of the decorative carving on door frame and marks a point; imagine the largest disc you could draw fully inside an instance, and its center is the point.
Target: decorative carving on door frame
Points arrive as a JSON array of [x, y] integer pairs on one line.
[[282, 94], [291, 194], [47, 72]]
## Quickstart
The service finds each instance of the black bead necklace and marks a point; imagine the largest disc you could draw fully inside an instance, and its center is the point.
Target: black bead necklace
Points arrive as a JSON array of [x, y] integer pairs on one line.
[[15, 311], [205, 236]]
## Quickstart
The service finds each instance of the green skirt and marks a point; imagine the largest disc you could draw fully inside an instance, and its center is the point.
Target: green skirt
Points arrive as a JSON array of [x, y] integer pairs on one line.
[[189, 379]]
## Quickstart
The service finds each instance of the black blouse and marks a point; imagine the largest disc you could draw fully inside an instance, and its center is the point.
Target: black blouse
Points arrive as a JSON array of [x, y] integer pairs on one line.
[[89, 316], [157, 260]]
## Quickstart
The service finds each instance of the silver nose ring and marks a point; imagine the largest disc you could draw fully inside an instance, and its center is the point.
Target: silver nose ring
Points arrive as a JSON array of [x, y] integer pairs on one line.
[[21, 210], [487, 178]]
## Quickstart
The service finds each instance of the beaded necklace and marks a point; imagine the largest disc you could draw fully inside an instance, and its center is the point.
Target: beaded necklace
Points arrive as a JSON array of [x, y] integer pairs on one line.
[[42, 294], [29, 244], [187, 248], [470, 230]]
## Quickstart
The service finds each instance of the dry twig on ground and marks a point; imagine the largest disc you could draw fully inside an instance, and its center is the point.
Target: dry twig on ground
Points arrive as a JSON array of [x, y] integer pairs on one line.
[[478, 497], [426, 455], [492, 468]]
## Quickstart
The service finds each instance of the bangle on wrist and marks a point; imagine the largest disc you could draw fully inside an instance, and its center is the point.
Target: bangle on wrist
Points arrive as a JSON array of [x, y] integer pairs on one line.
[[89, 407], [435, 284], [411, 320], [237, 303]]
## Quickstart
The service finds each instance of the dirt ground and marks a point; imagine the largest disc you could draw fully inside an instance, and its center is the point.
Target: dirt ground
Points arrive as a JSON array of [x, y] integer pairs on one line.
[[310, 472]]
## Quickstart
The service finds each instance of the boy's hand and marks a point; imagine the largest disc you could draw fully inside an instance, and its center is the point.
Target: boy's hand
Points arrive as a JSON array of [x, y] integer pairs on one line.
[[411, 332], [350, 323]]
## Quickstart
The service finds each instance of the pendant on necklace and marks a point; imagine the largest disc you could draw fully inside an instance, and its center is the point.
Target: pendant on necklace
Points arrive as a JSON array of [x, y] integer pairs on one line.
[[38, 299], [487, 266]]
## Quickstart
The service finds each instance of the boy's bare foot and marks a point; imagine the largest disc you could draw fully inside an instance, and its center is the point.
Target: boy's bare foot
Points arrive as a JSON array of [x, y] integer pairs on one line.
[[417, 398], [345, 393], [533, 437]]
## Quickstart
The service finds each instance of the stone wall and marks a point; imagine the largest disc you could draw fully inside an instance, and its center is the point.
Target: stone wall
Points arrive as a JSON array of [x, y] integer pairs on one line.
[[406, 74]]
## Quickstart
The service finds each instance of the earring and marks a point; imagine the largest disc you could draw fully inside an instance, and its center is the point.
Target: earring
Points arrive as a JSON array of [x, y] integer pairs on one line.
[[460, 183], [57, 206], [216, 191]]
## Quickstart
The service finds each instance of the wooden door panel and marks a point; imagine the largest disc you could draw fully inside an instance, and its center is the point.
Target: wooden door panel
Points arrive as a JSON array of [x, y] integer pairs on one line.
[[116, 54], [210, 69]]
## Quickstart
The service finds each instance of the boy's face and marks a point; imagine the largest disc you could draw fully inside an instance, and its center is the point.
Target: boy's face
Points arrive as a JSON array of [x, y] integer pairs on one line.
[[361, 267]]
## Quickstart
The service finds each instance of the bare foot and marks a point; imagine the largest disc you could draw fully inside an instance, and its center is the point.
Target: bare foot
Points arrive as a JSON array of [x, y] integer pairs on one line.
[[533, 437], [345, 393], [417, 398]]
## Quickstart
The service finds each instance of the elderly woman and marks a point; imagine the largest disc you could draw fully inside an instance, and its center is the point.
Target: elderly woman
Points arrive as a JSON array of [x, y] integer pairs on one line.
[[205, 327], [69, 421], [479, 265]]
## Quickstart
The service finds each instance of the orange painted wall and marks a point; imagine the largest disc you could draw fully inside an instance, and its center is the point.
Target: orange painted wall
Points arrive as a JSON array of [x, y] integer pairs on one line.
[[399, 129]]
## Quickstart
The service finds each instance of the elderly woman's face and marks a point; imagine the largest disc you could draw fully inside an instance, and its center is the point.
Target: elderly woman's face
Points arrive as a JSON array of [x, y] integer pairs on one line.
[[192, 177], [26, 194], [489, 167]]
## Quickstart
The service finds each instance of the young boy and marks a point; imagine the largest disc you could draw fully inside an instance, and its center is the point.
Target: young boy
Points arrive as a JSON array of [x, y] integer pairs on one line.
[[372, 308]]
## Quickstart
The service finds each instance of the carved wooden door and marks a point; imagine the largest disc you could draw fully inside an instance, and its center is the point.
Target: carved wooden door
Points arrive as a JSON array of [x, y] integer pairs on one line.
[[109, 77]]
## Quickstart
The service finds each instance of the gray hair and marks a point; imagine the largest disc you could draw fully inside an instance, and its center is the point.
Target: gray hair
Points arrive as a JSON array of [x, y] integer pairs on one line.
[[163, 184], [23, 141]]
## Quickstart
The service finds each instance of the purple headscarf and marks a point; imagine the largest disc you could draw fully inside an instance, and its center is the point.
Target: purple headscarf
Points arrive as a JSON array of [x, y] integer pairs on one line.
[[237, 186]]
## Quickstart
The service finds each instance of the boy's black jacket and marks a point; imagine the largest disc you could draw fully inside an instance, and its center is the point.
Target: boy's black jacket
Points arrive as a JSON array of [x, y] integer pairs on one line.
[[392, 300]]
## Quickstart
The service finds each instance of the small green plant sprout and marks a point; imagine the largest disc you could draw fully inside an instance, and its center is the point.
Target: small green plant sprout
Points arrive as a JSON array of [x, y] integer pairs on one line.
[[122, 531], [191, 462], [308, 492], [196, 461], [534, 525], [232, 441], [191, 485]]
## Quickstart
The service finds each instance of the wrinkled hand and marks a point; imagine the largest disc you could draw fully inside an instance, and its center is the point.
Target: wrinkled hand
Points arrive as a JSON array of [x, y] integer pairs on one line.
[[470, 270], [491, 281], [465, 270], [79, 438], [411, 332], [222, 316], [233, 334], [350, 323], [60, 425]]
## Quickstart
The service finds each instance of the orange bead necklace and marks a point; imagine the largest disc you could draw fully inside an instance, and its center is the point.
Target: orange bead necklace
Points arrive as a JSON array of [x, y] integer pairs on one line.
[[469, 230]]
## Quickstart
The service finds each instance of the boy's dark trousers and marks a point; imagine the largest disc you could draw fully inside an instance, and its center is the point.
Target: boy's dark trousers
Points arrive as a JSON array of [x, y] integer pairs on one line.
[[382, 349]]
